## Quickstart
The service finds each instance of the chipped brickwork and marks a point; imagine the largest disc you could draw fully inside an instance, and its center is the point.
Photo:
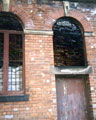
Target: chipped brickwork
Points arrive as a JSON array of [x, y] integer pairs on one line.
[[39, 58]]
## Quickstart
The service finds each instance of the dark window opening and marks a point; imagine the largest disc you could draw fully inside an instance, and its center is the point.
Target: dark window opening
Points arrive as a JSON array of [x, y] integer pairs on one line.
[[8, 21], [11, 55], [68, 43], [15, 63]]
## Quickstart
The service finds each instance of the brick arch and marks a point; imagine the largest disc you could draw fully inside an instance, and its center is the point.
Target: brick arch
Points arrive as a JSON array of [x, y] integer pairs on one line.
[[58, 13], [81, 18], [24, 16], [52, 17]]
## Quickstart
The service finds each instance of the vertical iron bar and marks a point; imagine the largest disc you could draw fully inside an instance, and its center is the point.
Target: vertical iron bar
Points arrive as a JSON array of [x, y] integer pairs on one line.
[[6, 58]]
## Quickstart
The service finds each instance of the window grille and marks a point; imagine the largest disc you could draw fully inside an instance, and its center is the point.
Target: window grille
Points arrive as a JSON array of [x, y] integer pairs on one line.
[[15, 63], [11, 55]]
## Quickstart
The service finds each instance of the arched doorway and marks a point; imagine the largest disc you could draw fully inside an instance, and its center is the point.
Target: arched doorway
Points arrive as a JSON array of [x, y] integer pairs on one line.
[[69, 52], [11, 55]]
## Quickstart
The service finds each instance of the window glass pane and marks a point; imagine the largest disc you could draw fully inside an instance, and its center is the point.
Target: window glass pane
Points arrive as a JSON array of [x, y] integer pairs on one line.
[[1, 59], [15, 63]]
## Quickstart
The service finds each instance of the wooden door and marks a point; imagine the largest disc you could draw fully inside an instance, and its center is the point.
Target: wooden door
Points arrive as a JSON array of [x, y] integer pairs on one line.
[[71, 100]]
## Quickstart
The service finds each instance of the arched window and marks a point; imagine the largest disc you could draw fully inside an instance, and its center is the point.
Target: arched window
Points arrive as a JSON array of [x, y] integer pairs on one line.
[[68, 41], [11, 55]]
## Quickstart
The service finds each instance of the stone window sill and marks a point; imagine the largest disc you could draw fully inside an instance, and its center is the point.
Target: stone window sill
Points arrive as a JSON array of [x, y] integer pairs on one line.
[[71, 70], [17, 98]]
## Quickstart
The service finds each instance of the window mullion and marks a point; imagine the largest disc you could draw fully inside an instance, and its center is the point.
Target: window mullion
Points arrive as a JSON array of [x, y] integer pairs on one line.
[[6, 59], [23, 75]]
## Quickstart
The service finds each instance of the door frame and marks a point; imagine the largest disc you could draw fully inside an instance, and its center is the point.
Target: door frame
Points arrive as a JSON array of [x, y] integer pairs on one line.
[[86, 90]]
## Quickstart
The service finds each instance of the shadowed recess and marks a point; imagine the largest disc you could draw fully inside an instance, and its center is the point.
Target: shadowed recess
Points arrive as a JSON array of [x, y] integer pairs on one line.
[[9, 21], [68, 43]]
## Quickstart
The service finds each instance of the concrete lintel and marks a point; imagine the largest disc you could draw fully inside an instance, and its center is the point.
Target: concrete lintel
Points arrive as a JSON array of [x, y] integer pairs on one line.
[[6, 5], [39, 32], [89, 34], [50, 32], [71, 70]]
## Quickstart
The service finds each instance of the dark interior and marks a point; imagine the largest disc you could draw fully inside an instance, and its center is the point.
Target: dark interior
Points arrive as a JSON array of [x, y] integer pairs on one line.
[[68, 43]]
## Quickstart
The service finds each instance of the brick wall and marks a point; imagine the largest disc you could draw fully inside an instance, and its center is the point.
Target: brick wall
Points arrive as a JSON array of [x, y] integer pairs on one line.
[[39, 58], [40, 83]]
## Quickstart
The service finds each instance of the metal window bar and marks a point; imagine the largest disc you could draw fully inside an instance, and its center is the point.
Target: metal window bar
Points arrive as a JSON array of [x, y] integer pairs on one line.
[[15, 62], [1, 59]]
